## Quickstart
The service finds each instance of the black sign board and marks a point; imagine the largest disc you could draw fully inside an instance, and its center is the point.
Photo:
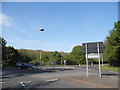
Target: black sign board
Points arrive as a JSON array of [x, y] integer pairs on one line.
[[92, 47]]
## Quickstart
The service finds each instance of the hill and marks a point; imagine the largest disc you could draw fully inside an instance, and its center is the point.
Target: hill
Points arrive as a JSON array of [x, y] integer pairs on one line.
[[47, 56]]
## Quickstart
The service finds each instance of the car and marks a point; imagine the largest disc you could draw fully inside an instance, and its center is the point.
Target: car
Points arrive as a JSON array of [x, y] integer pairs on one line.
[[30, 65], [23, 65]]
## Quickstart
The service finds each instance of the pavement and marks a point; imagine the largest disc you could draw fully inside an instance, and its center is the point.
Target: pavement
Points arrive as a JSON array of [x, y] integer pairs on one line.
[[95, 80], [108, 79]]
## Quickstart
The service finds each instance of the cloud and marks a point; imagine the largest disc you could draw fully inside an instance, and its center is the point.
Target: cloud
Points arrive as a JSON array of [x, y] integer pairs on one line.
[[5, 20]]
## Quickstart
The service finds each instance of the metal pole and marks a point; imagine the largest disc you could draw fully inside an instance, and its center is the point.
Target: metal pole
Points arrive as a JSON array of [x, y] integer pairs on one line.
[[61, 62], [86, 60], [41, 29], [102, 59], [61, 58], [40, 57], [41, 50], [99, 58]]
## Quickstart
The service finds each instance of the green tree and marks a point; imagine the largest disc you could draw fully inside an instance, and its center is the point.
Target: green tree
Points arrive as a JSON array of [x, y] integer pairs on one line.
[[69, 60], [3, 42], [45, 58], [56, 57], [112, 49], [10, 56], [2, 48], [23, 57], [77, 55]]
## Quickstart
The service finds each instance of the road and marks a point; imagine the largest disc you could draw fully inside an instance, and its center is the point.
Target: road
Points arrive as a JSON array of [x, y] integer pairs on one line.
[[51, 77]]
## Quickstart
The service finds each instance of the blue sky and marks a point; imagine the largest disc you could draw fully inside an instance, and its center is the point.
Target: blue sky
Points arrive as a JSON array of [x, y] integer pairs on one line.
[[66, 24]]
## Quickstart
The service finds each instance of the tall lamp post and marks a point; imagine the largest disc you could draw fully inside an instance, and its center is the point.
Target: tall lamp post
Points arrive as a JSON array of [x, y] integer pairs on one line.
[[41, 29]]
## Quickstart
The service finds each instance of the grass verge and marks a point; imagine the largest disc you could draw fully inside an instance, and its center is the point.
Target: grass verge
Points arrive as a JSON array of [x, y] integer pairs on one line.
[[110, 68]]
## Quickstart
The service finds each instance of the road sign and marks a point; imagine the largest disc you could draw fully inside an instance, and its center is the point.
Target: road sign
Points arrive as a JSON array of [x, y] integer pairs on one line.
[[92, 47], [93, 55]]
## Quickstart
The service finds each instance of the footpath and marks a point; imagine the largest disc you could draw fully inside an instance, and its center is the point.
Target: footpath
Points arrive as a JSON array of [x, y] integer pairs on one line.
[[105, 81]]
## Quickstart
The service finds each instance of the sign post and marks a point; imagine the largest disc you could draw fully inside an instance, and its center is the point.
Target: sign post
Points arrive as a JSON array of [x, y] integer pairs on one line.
[[93, 50], [99, 58], [86, 60], [102, 59]]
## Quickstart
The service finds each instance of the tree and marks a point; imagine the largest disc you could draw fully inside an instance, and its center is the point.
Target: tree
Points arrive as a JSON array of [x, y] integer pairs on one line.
[[56, 57], [10, 56], [3, 47], [23, 57], [69, 60], [45, 58], [112, 49], [1, 50], [77, 55], [3, 42]]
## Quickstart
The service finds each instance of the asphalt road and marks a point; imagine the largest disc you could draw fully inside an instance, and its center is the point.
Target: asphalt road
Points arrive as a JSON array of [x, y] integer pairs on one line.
[[49, 77]]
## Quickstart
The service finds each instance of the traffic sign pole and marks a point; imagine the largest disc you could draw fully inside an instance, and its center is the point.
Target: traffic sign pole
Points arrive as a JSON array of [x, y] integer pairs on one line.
[[86, 60], [102, 59], [99, 58]]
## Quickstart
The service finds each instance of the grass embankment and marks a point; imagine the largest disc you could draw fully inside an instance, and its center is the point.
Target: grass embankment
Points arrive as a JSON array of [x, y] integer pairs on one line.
[[110, 68]]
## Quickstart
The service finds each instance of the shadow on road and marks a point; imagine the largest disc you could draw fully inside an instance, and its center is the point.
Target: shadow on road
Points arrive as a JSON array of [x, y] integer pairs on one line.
[[13, 72], [110, 74], [30, 86]]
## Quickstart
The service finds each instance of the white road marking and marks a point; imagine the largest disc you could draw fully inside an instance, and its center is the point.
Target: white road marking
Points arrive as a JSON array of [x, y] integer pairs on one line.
[[52, 80], [4, 79], [27, 81], [23, 84], [2, 82]]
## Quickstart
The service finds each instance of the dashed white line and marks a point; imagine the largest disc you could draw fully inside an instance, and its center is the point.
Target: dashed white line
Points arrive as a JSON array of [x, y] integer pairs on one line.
[[27, 82], [2, 82], [23, 84], [52, 80], [4, 79]]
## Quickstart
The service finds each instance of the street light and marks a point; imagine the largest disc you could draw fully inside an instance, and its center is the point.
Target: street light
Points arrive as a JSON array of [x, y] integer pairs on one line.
[[41, 29]]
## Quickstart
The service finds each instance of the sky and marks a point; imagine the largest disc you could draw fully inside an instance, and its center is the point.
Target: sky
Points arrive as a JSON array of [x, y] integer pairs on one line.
[[66, 24]]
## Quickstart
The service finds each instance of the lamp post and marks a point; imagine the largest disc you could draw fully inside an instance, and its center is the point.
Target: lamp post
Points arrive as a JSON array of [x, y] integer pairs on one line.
[[41, 29]]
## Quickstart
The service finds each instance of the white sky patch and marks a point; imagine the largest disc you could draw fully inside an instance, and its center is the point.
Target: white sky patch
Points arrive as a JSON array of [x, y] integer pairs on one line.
[[5, 20]]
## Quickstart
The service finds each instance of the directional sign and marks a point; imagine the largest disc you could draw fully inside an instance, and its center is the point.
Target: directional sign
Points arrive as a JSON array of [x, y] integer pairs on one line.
[[92, 47], [93, 56], [93, 50]]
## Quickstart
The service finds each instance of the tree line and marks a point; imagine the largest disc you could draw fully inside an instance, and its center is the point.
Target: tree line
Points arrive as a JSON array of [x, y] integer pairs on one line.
[[10, 55]]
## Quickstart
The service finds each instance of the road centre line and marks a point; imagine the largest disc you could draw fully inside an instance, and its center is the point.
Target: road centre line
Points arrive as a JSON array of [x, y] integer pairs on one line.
[[85, 82]]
